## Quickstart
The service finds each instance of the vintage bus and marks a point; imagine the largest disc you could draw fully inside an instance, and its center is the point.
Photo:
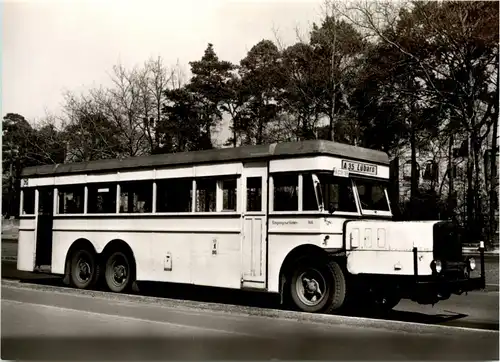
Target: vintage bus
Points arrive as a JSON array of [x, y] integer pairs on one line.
[[309, 220]]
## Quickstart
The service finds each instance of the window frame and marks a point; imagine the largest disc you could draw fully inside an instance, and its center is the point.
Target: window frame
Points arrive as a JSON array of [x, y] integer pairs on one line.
[[57, 193], [263, 198], [325, 211], [406, 168], [158, 182], [272, 189], [119, 197], [369, 212], [208, 179], [115, 185], [22, 199], [219, 194], [321, 210]]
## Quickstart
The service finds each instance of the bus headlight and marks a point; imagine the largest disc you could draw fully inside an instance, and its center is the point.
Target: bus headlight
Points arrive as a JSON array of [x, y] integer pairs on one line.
[[436, 266], [472, 263]]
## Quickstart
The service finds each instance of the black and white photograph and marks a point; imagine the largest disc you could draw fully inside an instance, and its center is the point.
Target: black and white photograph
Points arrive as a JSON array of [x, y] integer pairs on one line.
[[250, 180]]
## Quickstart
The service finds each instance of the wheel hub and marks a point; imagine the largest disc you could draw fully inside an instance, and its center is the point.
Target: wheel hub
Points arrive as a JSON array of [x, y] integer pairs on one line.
[[84, 270], [119, 271], [311, 287]]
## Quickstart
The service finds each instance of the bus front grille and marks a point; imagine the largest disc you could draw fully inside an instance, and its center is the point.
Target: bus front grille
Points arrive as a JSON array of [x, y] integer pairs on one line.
[[447, 242]]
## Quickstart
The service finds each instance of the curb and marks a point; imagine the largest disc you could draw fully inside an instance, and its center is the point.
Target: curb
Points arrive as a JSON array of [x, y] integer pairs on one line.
[[492, 288]]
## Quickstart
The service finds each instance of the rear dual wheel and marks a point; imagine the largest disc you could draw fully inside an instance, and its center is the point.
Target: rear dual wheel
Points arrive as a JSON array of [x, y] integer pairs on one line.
[[85, 270], [118, 272]]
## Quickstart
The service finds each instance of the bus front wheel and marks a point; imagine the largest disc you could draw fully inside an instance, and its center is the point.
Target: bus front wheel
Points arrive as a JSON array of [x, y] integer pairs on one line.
[[318, 288], [118, 272], [85, 269]]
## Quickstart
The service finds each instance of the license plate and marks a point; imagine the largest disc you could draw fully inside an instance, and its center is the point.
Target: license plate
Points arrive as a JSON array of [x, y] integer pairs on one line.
[[359, 167]]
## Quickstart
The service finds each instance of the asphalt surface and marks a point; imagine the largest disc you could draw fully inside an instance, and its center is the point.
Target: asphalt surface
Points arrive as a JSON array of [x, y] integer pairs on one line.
[[478, 309], [46, 322], [42, 319]]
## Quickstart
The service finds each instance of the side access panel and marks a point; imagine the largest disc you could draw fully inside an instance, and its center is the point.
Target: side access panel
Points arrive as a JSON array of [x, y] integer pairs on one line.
[[386, 247], [26, 244]]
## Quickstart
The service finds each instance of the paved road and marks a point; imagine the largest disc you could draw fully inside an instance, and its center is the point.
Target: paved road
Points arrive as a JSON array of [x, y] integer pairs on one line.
[[46, 322], [475, 310]]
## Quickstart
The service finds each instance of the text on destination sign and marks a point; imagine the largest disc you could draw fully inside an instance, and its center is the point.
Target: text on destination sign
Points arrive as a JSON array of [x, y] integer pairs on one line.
[[359, 167]]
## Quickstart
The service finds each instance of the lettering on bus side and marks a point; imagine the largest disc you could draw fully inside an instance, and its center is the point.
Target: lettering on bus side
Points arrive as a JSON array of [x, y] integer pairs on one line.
[[214, 246], [286, 222]]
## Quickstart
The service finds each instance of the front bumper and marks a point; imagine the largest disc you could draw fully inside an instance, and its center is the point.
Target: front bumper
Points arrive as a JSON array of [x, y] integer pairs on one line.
[[452, 280]]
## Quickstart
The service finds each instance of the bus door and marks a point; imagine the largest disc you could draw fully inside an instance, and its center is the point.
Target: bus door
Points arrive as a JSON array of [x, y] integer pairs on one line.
[[44, 226], [254, 209]]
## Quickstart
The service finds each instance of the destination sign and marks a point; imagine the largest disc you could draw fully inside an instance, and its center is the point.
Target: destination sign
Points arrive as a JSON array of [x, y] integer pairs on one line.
[[359, 167]]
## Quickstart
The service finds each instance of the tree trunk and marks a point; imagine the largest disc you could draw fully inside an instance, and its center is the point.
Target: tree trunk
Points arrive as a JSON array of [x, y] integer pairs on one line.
[[478, 211], [331, 133], [333, 78], [414, 175], [451, 205], [260, 131], [470, 193], [394, 188], [493, 170], [493, 184]]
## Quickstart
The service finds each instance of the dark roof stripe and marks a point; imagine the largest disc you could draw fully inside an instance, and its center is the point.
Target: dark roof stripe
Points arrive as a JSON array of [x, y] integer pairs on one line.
[[273, 151]]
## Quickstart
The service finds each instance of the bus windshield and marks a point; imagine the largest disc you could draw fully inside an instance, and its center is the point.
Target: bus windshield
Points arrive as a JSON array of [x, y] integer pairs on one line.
[[372, 195], [337, 193]]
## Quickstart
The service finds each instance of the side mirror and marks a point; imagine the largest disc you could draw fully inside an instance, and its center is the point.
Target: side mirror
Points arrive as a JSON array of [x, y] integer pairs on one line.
[[331, 208]]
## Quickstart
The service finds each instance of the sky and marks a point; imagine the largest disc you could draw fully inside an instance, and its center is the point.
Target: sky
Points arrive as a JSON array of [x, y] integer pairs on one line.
[[51, 46]]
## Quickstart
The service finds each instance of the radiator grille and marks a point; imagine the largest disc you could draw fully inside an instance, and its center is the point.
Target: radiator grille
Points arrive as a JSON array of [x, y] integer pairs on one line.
[[447, 241]]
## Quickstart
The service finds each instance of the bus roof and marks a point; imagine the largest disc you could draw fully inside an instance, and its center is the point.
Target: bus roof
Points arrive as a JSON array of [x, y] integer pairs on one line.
[[272, 151]]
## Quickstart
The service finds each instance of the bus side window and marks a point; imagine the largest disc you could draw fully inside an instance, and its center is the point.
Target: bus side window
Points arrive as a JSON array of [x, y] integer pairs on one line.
[[174, 195], [136, 197], [308, 197], [71, 199], [28, 201], [206, 190], [229, 195], [254, 194], [337, 191], [347, 201], [101, 199], [286, 192]]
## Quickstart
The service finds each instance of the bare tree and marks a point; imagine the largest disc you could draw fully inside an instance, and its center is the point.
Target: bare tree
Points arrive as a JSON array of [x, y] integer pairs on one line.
[[455, 46]]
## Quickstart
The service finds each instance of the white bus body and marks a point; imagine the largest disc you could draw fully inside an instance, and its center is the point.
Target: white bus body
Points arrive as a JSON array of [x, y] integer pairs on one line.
[[299, 219]]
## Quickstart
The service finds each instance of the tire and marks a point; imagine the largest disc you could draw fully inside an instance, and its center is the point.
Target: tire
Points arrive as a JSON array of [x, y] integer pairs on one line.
[[119, 272], [308, 279], [85, 270]]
